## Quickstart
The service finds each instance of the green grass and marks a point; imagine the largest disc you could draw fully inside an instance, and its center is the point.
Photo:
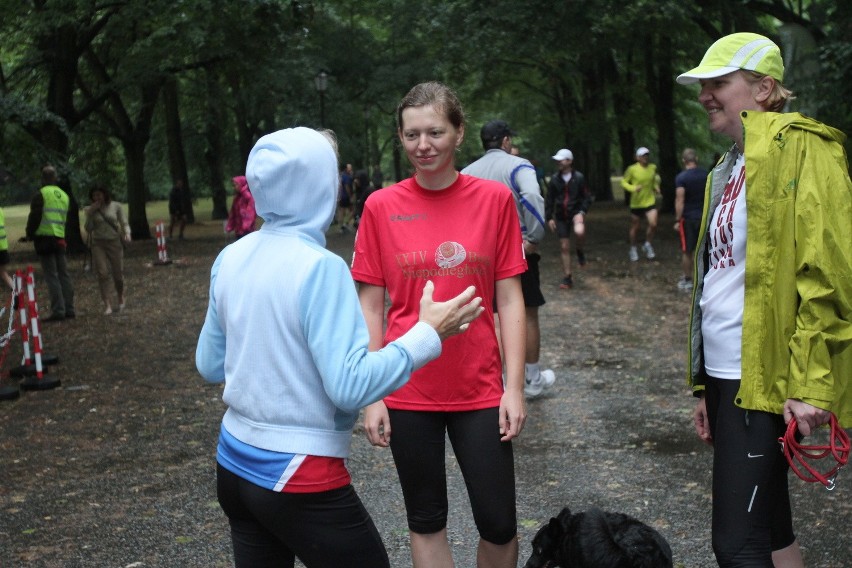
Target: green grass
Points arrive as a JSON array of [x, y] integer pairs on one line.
[[16, 217]]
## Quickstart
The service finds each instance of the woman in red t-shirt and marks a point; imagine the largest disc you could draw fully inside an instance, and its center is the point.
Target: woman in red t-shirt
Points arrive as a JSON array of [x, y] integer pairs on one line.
[[457, 231]]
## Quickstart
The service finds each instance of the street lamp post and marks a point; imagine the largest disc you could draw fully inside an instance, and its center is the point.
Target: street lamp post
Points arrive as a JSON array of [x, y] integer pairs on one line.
[[321, 84]]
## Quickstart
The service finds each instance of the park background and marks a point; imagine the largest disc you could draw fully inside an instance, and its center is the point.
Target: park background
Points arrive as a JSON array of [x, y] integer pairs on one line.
[[115, 467], [136, 94]]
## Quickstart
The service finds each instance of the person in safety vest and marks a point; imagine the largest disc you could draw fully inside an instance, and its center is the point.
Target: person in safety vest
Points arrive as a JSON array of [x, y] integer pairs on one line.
[[4, 251], [46, 228]]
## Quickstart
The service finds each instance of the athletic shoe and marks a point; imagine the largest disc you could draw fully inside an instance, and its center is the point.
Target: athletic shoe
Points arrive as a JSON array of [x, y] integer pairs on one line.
[[567, 283], [649, 251], [545, 380], [581, 258], [684, 284], [634, 254]]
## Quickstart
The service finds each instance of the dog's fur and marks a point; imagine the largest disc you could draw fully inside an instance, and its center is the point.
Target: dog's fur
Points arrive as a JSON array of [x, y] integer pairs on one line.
[[598, 539]]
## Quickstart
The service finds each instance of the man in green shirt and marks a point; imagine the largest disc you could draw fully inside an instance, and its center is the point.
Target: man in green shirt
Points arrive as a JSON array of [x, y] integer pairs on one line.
[[643, 184]]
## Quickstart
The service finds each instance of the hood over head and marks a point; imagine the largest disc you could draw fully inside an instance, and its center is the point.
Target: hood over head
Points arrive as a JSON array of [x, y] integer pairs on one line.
[[241, 183], [293, 178]]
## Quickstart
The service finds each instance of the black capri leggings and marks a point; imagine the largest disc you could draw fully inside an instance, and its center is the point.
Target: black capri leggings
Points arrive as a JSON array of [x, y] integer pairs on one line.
[[487, 465], [751, 501], [324, 530]]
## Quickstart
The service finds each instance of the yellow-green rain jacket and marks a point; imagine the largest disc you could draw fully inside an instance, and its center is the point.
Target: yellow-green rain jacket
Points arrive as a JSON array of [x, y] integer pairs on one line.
[[797, 315]]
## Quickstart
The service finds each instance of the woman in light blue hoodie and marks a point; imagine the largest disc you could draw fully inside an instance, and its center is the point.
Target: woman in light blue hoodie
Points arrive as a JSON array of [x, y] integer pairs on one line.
[[285, 332]]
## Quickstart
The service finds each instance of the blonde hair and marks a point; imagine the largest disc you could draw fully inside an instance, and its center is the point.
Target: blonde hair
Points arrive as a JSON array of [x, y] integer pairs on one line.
[[778, 97], [332, 139]]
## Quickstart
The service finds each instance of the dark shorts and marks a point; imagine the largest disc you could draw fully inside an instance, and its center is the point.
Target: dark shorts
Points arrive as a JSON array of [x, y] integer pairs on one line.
[[343, 199], [564, 229], [530, 284], [4, 257], [641, 211], [689, 234], [486, 463], [751, 501]]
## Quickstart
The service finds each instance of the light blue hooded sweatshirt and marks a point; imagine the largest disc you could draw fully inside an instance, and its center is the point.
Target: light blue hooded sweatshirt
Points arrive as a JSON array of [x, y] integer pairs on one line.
[[284, 328]]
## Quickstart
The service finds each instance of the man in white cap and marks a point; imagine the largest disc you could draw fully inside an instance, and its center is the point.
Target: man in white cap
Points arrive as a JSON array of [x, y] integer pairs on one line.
[[568, 200], [643, 184], [518, 174]]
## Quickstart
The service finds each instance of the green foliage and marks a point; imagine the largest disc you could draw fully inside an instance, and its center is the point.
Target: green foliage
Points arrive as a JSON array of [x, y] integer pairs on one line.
[[592, 74]]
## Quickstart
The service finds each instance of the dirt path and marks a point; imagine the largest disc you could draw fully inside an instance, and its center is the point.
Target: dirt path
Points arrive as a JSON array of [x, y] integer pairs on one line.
[[115, 468]]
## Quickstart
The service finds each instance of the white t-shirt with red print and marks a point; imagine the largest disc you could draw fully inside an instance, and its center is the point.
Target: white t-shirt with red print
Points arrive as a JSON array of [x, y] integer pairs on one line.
[[724, 283], [466, 234]]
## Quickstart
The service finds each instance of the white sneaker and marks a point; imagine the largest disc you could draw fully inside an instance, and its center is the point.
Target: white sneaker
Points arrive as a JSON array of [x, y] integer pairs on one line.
[[634, 254], [649, 251], [532, 390], [545, 380], [684, 284]]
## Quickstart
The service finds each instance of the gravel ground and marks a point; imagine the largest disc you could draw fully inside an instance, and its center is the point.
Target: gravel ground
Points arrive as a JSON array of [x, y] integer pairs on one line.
[[116, 467]]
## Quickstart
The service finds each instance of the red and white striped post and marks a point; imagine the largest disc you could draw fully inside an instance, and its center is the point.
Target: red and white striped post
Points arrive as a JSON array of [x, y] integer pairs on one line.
[[162, 253], [22, 310], [9, 391], [40, 381], [33, 309]]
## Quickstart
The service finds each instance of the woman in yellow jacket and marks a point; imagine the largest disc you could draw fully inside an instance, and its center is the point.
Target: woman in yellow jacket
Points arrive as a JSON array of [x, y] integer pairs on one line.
[[771, 323]]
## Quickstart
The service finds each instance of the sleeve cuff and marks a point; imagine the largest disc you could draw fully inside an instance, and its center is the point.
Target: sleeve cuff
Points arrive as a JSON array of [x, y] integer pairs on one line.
[[422, 343]]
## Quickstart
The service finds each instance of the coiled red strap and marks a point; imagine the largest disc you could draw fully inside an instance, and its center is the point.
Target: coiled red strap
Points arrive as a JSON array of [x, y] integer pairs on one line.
[[798, 454]]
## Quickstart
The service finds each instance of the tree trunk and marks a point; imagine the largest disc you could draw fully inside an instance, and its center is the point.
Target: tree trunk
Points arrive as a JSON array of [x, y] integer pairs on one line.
[[215, 147], [60, 49], [134, 160], [660, 83], [597, 139], [134, 138], [174, 137]]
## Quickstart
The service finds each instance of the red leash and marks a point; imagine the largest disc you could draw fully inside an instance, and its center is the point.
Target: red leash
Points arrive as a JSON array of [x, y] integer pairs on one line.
[[797, 454]]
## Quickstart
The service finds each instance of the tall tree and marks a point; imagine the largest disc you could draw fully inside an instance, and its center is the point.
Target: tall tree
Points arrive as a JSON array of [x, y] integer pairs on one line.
[[57, 34], [174, 137]]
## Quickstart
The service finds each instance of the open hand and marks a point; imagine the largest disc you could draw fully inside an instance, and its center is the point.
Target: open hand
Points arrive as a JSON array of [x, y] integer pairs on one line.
[[453, 316]]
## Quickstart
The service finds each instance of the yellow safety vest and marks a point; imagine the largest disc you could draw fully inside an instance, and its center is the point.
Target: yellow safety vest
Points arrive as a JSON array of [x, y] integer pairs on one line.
[[4, 239], [54, 212]]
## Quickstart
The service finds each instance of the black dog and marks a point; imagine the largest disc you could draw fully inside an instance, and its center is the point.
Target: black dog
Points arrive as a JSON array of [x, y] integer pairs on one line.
[[598, 539]]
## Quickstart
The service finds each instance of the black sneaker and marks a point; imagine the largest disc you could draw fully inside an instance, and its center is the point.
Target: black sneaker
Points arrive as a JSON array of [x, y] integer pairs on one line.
[[567, 283], [581, 257]]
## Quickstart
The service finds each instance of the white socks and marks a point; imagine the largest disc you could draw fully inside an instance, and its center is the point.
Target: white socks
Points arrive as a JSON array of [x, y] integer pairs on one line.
[[532, 372]]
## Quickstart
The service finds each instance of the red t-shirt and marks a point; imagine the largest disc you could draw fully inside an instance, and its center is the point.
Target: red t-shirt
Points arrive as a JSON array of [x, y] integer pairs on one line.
[[467, 234]]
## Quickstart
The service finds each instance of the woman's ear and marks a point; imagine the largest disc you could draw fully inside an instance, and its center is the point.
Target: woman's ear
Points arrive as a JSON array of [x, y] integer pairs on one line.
[[763, 89]]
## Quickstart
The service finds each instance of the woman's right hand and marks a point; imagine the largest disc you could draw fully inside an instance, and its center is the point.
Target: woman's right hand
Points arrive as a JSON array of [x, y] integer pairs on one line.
[[453, 316], [702, 423], [377, 424]]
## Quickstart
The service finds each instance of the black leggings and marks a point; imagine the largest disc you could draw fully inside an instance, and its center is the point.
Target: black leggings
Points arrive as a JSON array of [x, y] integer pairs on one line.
[[486, 463], [751, 501], [324, 530]]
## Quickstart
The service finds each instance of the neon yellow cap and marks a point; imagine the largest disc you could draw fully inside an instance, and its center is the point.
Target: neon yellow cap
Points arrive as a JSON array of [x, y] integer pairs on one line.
[[748, 51]]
